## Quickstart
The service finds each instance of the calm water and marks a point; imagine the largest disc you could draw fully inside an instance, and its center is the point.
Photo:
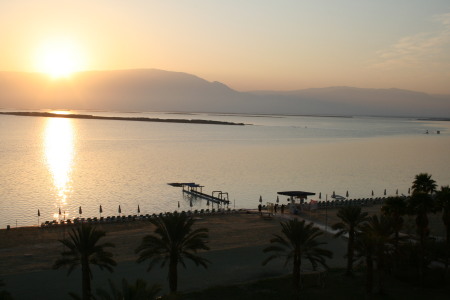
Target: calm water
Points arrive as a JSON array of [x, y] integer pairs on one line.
[[51, 163]]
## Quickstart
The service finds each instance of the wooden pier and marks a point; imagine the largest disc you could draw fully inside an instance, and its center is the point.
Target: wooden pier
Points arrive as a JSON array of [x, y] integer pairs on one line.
[[196, 190]]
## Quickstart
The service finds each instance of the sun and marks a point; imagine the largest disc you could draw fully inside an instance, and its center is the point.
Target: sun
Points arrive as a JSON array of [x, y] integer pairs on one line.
[[59, 58]]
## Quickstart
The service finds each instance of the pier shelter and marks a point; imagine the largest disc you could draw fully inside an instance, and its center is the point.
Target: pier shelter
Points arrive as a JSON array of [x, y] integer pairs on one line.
[[301, 195]]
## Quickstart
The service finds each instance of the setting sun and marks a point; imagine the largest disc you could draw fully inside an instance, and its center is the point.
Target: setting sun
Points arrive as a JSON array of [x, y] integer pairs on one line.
[[59, 58]]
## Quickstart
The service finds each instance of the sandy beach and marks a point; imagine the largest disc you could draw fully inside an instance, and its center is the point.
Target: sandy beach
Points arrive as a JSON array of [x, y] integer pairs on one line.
[[236, 242], [31, 248]]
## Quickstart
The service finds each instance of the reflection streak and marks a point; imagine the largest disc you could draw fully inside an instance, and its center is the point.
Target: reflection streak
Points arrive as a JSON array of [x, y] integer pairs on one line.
[[59, 153]]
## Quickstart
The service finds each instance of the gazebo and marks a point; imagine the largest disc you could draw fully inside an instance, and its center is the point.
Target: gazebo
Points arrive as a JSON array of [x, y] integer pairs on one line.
[[296, 194]]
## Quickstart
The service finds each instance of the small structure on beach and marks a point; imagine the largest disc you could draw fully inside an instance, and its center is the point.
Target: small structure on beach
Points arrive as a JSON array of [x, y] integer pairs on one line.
[[301, 195]]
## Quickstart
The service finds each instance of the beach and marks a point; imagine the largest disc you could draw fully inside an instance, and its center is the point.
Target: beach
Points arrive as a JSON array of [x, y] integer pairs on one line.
[[236, 241]]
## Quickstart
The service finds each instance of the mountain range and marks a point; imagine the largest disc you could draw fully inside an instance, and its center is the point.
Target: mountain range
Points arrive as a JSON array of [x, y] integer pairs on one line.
[[159, 90]]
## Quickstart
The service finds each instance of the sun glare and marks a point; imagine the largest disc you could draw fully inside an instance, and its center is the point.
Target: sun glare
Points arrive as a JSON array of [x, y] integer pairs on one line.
[[59, 58]]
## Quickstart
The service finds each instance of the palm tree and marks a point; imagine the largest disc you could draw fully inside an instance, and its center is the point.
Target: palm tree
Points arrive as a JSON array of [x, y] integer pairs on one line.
[[375, 242], [136, 291], [423, 183], [83, 249], [365, 246], [443, 204], [351, 220], [420, 204], [299, 241], [395, 207], [173, 241]]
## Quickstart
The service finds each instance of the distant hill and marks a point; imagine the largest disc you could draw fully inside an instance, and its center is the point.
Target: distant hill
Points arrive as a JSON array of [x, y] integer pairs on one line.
[[158, 90]]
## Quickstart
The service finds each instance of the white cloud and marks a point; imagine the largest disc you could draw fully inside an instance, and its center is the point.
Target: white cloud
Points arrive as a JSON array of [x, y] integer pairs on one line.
[[425, 49]]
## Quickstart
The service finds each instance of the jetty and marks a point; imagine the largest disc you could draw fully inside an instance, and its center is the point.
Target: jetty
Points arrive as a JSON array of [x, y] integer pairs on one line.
[[196, 190]]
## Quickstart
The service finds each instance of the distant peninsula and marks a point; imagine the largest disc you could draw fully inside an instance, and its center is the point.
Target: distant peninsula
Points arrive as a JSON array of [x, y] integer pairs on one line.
[[140, 119]]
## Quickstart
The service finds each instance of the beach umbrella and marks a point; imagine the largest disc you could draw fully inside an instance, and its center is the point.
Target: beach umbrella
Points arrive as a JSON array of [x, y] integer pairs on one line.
[[119, 210], [320, 195], [139, 209], [346, 194], [385, 192]]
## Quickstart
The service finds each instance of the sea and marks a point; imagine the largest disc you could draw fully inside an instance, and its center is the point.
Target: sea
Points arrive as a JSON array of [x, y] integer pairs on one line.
[[60, 168]]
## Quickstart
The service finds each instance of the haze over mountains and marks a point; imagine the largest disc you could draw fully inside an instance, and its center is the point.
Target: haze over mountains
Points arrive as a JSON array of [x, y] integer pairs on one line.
[[158, 90]]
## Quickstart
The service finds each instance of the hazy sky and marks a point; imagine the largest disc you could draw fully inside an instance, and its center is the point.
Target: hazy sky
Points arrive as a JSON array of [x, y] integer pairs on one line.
[[246, 44]]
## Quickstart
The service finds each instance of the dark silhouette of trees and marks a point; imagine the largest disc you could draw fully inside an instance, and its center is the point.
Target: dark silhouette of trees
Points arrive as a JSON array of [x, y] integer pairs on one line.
[[420, 204], [173, 241], [299, 240], [129, 291], [443, 204], [395, 207], [351, 220], [423, 183], [84, 249], [374, 242]]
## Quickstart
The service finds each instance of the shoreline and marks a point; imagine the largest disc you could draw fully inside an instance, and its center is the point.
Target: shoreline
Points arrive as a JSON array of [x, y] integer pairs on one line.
[[137, 119]]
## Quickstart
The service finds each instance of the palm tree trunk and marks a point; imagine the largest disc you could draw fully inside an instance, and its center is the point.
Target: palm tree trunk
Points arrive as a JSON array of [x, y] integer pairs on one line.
[[350, 250], [296, 280], [422, 224], [173, 273], [369, 275], [85, 279]]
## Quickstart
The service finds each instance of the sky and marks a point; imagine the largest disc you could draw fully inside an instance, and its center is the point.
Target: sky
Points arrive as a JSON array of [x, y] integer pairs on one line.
[[247, 45]]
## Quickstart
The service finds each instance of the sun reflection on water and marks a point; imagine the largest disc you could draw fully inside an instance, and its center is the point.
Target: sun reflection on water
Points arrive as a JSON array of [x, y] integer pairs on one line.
[[59, 153]]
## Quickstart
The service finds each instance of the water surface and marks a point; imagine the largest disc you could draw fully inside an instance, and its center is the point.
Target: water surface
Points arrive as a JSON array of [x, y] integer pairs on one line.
[[54, 164]]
